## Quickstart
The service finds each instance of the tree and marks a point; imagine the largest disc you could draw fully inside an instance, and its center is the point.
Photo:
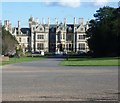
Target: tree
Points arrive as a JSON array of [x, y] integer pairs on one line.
[[0, 38], [103, 32], [9, 42]]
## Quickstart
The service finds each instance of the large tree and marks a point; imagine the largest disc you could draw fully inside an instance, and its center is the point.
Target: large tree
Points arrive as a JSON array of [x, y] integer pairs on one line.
[[9, 42], [103, 32], [0, 38]]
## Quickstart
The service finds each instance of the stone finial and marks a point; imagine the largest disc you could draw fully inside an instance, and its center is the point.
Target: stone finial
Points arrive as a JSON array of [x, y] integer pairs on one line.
[[48, 21], [64, 20], [56, 20]]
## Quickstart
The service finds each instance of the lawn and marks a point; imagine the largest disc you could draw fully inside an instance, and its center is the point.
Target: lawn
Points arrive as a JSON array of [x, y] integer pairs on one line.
[[21, 59], [91, 62]]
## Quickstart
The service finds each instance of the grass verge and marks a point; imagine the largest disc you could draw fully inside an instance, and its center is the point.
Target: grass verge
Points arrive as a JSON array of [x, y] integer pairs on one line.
[[91, 62], [21, 59]]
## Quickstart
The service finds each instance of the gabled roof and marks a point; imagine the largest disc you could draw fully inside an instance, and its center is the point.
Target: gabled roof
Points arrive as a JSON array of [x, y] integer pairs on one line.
[[25, 31], [52, 28]]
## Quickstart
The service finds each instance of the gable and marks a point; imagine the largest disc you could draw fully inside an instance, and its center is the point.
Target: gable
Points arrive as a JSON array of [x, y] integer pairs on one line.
[[81, 28], [61, 27], [39, 28]]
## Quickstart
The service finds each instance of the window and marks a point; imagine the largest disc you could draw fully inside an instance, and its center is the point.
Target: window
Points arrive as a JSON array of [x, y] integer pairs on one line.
[[70, 47], [28, 39], [68, 37], [81, 29], [81, 46], [81, 37], [70, 28], [33, 28], [19, 39], [40, 36], [40, 29], [40, 46], [67, 46]]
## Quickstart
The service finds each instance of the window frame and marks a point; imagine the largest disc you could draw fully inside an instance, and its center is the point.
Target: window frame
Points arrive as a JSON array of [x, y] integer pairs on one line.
[[81, 46], [40, 36], [81, 37], [20, 39], [40, 46]]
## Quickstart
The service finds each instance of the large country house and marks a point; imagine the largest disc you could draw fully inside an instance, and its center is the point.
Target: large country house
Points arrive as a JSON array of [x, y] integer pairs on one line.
[[47, 37]]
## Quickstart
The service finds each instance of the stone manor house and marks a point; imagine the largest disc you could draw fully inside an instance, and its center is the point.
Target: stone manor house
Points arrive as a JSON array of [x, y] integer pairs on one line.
[[47, 37]]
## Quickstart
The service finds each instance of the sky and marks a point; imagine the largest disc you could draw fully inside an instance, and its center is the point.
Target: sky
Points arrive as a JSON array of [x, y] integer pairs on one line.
[[61, 9]]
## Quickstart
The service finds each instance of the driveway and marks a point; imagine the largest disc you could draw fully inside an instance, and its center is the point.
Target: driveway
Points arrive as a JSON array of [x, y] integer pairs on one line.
[[47, 81]]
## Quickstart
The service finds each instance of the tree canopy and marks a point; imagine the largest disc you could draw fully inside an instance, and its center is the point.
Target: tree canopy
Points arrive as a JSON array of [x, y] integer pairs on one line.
[[9, 42], [104, 33]]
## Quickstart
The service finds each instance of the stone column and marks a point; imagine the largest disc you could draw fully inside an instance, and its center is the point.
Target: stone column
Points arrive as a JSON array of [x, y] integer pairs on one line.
[[74, 35]]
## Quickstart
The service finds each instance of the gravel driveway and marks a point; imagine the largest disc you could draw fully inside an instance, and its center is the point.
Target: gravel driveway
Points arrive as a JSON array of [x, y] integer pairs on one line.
[[45, 80]]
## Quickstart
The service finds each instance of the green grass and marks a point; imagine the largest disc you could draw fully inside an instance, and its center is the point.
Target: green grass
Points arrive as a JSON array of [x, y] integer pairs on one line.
[[21, 59], [91, 62]]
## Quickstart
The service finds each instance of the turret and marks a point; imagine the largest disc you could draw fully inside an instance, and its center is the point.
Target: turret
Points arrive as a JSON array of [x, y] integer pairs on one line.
[[31, 19]]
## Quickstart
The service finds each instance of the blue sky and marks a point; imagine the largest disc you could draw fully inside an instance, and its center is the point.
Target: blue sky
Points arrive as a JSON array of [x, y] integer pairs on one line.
[[15, 11]]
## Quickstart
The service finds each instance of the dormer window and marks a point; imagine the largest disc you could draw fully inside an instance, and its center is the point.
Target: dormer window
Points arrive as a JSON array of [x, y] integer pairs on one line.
[[40, 29], [81, 29], [27, 32], [61, 28], [70, 29]]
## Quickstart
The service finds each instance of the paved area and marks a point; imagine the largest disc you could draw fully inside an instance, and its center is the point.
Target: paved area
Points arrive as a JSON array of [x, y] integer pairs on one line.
[[47, 81]]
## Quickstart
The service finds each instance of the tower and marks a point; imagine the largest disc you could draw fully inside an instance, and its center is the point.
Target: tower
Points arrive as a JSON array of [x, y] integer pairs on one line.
[[31, 19]]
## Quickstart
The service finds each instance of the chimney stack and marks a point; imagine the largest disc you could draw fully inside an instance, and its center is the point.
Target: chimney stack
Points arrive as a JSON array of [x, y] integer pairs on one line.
[[18, 27], [81, 21], [5, 23], [8, 22], [18, 24], [74, 20], [43, 21], [64, 20]]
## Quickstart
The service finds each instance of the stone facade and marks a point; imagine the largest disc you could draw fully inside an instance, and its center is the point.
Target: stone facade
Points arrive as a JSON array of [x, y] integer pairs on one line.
[[47, 37]]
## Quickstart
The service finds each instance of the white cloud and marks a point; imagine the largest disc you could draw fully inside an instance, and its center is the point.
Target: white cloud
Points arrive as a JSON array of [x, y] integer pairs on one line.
[[66, 3], [75, 3], [100, 2], [70, 3]]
